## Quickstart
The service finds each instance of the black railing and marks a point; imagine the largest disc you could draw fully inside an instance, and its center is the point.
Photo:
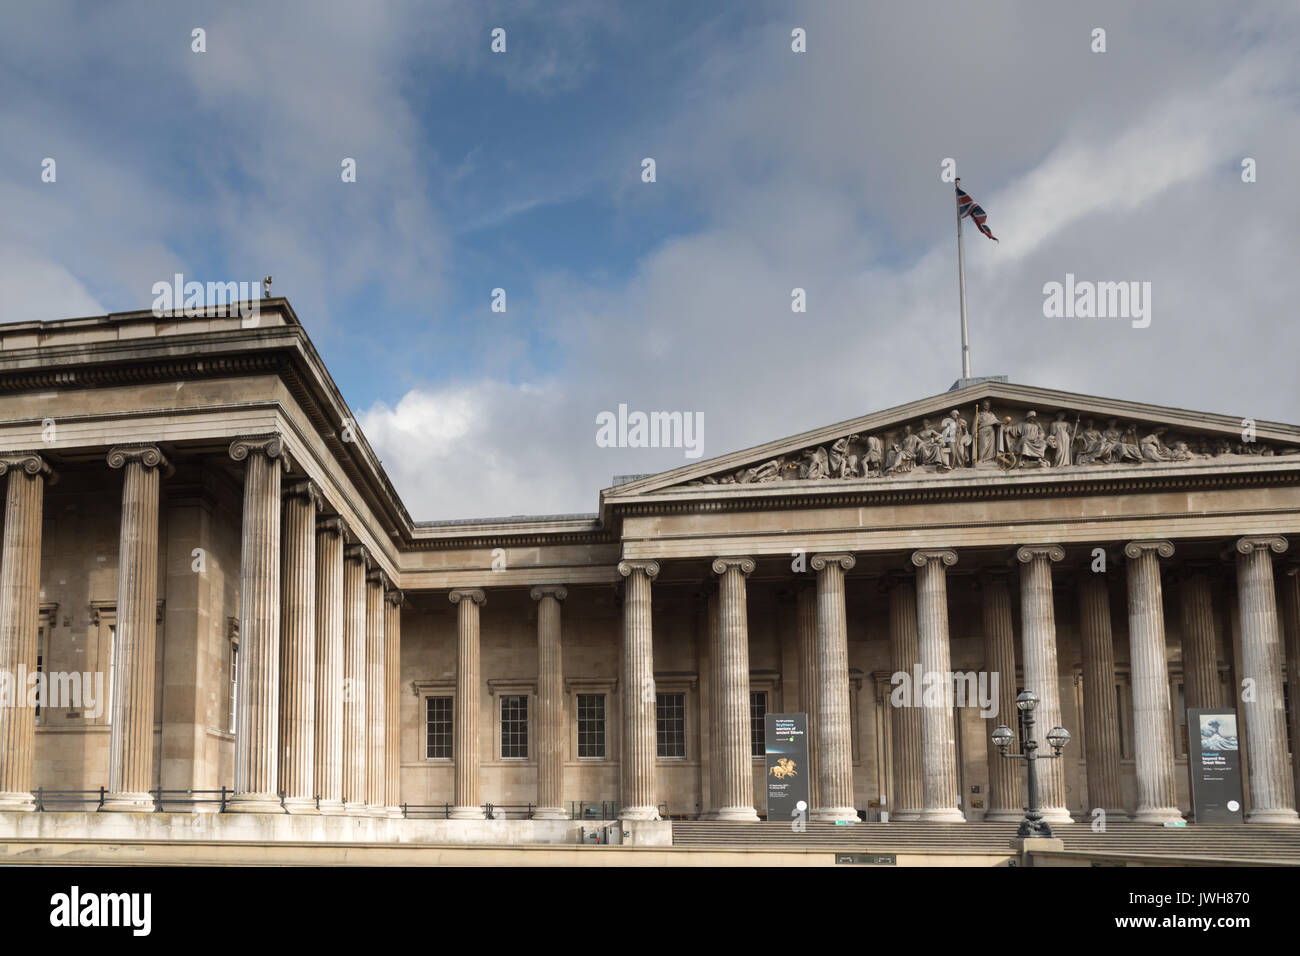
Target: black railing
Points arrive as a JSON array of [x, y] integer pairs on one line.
[[493, 811], [604, 810], [47, 799]]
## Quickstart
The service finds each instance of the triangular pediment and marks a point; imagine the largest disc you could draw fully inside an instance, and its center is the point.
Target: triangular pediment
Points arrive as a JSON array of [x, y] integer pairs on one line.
[[985, 428]]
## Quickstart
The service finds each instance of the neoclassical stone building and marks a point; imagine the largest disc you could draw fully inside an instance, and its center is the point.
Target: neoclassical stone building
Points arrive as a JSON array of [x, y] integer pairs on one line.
[[192, 513]]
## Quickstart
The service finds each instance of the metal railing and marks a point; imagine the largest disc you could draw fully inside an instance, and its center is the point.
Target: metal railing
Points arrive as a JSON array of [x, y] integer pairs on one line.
[[493, 811], [604, 810], [47, 799]]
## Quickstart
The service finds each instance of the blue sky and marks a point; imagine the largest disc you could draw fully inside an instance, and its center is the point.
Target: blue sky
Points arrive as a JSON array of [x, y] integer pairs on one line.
[[522, 170]]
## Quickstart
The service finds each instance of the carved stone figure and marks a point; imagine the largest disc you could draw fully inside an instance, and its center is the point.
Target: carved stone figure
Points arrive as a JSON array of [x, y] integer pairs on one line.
[[898, 461], [1114, 447], [1090, 442], [930, 449], [844, 462], [874, 457], [1153, 448], [1061, 439], [956, 434], [1030, 441], [989, 432], [815, 464]]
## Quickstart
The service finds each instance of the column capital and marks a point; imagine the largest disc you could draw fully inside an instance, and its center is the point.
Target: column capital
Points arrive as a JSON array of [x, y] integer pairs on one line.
[[473, 595], [306, 488], [394, 597], [744, 564], [1028, 552], [557, 591], [1260, 542], [1162, 546], [272, 446], [29, 462], [332, 524], [924, 556], [821, 561], [358, 552], [378, 576], [651, 568], [150, 456]]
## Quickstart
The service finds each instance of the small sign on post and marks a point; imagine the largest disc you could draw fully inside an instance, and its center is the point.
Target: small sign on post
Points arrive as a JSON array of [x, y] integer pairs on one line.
[[1215, 764], [786, 747]]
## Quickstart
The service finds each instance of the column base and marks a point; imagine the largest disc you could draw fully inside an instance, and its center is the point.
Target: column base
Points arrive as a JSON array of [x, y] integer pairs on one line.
[[1004, 816], [331, 807], [393, 813], [908, 815], [1116, 815], [254, 803], [355, 809], [467, 813], [738, 815], [1279, 815], [834, 815], [1157, 815], [303, 805], [17, 801], [550, 813], [130, 802], [1057, 815], [639, 813], [942, 815]]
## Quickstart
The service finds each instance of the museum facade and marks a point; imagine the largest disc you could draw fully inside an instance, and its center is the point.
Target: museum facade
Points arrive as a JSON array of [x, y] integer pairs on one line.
[[207, 581]]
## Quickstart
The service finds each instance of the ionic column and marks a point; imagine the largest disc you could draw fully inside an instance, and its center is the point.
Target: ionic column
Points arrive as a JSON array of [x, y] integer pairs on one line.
[[713, 633], [1272, 793], [1152, 737], [1200, 645], [330, 613], [938, 730], [257, 723], [1006, 800], [637, 768], [376, 711], [1100, 710], [809, 683], [1038, 636], [550, 700], [905, 657], [20, 608], [298, 649], [356, 561], [1290, 581], [834, 716], [465, 724], [732, 749], [392, 702], [130, 755]]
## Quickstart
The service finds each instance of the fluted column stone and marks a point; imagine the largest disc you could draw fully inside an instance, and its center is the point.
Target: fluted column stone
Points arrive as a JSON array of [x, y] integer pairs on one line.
[[550, 699], [1006, 801], [330, 612], [834, 715], [392, 702], [1200, 644], [1038, 639], [938, 727], [732, 748], [809, 682], [356, 562], [1272, 793], [905, 657], [376, 711], [257, 722], [135, 637], [20, 608], [298, 649], [1157, 797], [1100, 709], [468, 693], [637, 770]]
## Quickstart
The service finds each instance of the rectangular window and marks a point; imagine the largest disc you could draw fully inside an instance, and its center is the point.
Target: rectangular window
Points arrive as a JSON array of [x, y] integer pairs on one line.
[[514, 727], [234, 684], [670, 724], [40, 662], [758, 722], [437, 728], [591, 725]]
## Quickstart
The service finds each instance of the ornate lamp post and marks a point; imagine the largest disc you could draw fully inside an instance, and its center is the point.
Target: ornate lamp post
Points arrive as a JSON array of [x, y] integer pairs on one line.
[[1033, 825]]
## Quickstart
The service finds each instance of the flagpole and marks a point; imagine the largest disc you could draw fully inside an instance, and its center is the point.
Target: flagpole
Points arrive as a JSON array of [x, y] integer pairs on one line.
[[961, 281]]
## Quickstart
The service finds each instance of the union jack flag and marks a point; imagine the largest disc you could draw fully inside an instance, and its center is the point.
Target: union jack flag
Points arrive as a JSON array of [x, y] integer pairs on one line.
[[969, 207]]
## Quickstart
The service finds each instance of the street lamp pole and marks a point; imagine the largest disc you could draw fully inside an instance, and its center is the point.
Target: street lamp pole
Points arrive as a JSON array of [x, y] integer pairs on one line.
[[1033, 825]]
